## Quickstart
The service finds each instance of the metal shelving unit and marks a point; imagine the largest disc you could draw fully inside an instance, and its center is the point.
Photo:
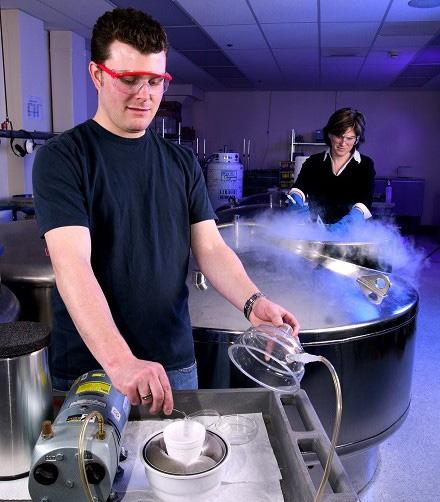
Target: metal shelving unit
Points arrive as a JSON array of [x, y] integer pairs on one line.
[[294, 143]]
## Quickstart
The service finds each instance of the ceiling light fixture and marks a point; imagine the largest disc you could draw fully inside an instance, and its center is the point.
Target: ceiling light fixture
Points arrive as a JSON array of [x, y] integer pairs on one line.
[[424, 4]]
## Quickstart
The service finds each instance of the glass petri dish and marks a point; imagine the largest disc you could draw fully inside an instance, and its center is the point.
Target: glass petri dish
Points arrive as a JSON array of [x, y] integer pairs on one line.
[[237, 429], [207, 417]]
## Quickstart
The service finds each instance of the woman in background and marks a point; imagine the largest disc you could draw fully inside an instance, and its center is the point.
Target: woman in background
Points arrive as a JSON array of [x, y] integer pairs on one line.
[[338, 183]]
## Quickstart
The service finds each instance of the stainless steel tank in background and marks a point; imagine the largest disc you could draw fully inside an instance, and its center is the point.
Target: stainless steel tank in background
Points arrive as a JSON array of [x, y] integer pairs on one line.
[[371, 347], [25, 394], [9, 305], [224, 178], [25, 268]]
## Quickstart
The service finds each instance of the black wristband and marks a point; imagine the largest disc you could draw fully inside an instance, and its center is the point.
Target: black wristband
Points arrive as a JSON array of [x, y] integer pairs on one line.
[[248, 306]]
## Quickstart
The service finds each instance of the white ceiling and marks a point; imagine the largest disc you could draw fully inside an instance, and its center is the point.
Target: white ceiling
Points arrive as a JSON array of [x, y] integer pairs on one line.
[[279, 44]]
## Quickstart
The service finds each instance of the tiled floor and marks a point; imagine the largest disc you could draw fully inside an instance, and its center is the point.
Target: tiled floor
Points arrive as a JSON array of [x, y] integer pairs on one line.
[[409, 467]]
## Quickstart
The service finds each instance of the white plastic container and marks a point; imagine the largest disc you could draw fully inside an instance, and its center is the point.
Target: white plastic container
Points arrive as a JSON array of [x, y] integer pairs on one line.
[[184, 440], [224, 178]]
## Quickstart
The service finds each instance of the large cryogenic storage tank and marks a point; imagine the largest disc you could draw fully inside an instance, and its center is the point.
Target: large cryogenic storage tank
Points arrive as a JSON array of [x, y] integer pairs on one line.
[[224, 178]]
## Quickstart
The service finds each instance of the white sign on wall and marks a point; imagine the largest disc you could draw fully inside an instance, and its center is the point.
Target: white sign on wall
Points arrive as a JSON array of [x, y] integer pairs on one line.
[[34, 108]]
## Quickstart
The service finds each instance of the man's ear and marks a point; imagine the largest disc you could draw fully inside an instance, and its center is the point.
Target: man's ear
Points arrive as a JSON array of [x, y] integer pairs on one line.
[[96, 75]]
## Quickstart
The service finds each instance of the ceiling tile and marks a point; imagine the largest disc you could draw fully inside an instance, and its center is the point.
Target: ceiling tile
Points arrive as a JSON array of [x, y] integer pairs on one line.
[[329, 52], [207, 58], [258, 65], [414, 70], [303, 81], [300, 73], [307, 56], [382, 57], [413, 28], [237, 36], [165, 11], [75, 10], [435, 40], [56, 18], [224, 72], [186, 71], [433, 84], [189, 38], [428, 55], [353, 10], [356, 34], [291, 35], [378, 72], [395, 42], [401, 11], [236, 83], [215, 12], [350, 67], [409, 82], [287, 11]]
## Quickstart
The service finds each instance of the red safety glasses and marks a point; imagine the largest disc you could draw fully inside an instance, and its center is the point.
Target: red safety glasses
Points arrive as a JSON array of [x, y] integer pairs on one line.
[[131, 82]]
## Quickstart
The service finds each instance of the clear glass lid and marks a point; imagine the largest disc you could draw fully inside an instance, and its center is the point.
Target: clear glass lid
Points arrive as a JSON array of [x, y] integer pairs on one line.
[[261, 354]]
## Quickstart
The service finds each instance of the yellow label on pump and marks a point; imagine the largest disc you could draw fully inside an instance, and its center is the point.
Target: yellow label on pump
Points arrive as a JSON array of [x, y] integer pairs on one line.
[[101, 387]]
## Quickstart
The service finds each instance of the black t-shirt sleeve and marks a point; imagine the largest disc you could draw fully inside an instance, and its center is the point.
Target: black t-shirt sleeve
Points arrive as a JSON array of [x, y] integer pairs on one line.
[[58, 188], [200, 208]]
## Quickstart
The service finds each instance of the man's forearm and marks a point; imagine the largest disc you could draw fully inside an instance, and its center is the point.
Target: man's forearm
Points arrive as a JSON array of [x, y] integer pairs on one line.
[[90, 313], [226, 273]]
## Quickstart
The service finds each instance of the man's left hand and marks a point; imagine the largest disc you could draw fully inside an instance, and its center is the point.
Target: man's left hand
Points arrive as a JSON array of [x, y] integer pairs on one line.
[[264, 311]]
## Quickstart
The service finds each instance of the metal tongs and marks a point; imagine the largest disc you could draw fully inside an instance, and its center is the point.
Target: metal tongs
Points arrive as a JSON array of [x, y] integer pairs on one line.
[[374, 284]]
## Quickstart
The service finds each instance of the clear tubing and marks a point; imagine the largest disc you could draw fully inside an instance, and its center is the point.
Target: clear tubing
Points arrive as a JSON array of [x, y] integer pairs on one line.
[[306, 358], [336, 427], [81, 450]]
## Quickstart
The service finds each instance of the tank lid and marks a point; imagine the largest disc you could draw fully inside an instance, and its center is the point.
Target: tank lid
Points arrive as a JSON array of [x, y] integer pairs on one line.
[[25, 259], [21, 338]]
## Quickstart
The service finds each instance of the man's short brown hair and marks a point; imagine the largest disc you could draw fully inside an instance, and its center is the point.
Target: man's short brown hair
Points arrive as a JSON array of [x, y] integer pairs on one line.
[[130, 26]]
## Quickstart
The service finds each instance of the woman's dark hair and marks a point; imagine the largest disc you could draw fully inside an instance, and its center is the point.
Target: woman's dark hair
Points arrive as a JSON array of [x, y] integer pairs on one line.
[[342, 120], [129, 26]]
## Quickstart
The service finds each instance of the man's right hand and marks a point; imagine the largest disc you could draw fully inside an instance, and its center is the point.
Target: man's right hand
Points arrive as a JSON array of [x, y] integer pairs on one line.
[[137, 378]]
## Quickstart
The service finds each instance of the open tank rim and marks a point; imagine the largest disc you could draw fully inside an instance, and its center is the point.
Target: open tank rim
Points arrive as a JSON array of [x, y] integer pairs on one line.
[[306, 242], [314, 336]]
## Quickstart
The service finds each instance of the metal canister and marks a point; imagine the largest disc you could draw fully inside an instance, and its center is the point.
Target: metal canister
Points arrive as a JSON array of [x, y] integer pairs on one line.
[[224, 178], [26, 269], [25, 394]]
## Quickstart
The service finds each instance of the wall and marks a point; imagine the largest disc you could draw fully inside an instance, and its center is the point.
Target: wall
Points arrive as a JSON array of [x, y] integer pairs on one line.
[[401, 128], [28, 96], [31, 104]]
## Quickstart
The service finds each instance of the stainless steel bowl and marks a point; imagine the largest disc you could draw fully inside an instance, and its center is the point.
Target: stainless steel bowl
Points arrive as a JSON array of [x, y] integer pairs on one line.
[[172, 481]]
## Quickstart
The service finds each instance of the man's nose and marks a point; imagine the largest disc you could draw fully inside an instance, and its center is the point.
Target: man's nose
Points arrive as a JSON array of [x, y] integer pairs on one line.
[[144, 90]]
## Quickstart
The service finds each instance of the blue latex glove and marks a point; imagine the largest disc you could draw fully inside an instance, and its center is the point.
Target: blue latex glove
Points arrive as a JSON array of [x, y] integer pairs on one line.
[[296, 204], [354, 217], [294, 201]]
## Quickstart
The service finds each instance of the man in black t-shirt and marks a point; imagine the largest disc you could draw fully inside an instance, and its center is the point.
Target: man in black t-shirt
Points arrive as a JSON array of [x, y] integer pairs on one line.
[[120, 209]]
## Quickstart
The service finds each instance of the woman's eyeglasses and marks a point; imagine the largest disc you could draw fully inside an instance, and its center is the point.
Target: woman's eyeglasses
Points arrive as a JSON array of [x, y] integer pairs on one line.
[[347, 139]]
